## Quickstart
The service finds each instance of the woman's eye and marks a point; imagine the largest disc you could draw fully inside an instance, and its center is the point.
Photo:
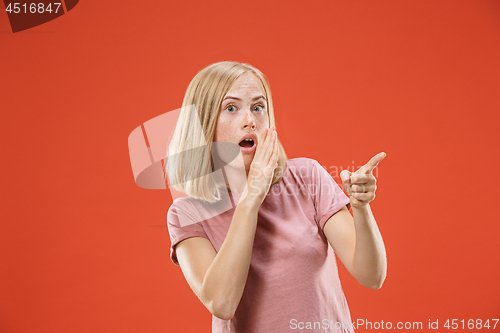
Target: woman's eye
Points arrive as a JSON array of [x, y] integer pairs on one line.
[[230, 108], [258, 108]]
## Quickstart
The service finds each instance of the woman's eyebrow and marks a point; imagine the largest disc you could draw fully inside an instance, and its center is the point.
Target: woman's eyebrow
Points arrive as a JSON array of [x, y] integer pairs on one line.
[[239, 99], [259, 97]]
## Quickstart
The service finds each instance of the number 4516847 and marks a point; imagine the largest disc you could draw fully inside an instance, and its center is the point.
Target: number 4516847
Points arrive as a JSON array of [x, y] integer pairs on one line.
[[470, 324], [32, 8]]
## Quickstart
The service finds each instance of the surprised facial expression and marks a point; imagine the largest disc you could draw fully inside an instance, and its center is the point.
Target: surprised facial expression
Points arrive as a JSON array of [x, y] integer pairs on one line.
[[243, 115]]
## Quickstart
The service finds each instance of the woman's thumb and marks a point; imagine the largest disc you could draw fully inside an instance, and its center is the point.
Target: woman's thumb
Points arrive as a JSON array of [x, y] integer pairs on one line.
[[345, 175]]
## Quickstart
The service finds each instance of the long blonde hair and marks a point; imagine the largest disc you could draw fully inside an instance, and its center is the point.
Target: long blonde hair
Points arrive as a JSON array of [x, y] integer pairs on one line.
[[189, 165]]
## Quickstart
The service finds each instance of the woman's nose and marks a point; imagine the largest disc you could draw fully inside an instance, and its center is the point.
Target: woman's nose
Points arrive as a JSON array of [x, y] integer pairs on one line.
[[249, 121], [250, 124]]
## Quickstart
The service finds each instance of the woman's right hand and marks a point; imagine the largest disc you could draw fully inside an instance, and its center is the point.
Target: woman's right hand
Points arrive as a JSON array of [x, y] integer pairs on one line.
[[264, 163]]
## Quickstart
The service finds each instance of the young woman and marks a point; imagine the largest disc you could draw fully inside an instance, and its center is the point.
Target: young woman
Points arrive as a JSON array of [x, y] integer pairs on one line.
[[257, 235]]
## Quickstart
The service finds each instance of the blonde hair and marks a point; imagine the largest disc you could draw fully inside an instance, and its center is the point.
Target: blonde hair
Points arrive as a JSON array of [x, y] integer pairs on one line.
[[190, 166]]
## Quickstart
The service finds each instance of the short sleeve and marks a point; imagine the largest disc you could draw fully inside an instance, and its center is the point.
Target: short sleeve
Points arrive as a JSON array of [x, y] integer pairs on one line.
[[180, 227], [327, 196]]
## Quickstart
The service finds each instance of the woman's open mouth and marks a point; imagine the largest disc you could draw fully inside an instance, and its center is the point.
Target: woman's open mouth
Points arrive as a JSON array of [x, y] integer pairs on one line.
[[247, 145]]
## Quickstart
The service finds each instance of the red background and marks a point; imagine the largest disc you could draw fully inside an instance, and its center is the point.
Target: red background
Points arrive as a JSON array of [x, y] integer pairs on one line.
[[83, 249]]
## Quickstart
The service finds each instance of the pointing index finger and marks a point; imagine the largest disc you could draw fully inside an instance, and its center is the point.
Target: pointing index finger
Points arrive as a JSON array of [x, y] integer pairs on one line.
[[372, 164]]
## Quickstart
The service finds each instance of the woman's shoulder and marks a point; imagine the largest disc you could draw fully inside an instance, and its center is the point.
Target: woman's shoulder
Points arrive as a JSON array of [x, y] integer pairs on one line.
[[190, 204], [193, 210], [308, 170], [301, 169], [185, 206], [299, 161], [302, 165]]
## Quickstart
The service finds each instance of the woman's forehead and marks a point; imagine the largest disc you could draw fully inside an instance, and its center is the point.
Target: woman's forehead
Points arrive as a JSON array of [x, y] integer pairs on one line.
[[245, 84]]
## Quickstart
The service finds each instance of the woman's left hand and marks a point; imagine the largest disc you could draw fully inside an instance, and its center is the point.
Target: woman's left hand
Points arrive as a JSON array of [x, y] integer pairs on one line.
[[361, 185]]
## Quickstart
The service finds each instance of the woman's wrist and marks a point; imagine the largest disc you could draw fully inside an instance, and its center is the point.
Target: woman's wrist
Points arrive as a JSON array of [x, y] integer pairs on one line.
[[361, 208], [250, 201]]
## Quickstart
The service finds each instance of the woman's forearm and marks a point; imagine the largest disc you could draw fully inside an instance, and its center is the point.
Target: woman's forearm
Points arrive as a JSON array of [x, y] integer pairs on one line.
[[370, 261], [225, 279]]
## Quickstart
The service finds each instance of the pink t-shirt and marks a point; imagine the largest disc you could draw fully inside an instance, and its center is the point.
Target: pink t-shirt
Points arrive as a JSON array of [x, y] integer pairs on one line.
[[293, 281]]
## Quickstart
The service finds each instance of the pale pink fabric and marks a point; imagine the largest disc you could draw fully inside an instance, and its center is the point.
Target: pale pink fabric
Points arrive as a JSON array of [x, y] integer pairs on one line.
[[293, 272]]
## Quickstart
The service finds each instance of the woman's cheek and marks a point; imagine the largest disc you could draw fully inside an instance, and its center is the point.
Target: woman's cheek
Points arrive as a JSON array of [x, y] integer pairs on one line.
[[223, 132]]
